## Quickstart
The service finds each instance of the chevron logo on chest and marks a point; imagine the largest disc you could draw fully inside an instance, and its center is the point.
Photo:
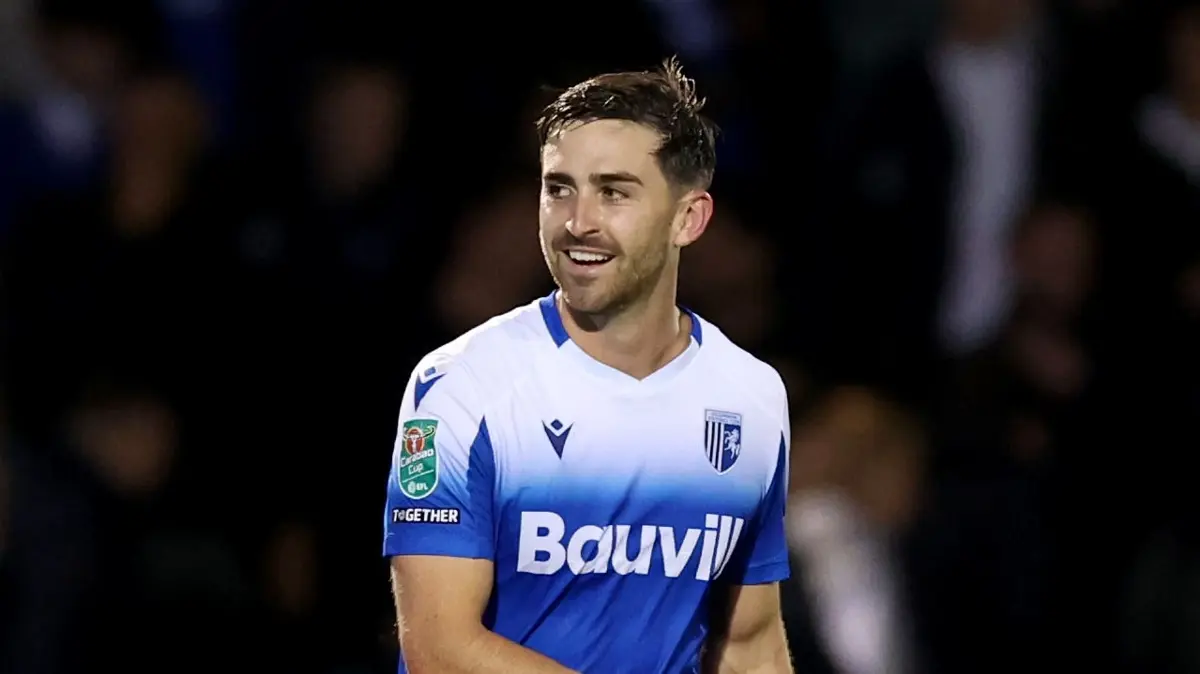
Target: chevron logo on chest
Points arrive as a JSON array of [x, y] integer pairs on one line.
[[557, 432]]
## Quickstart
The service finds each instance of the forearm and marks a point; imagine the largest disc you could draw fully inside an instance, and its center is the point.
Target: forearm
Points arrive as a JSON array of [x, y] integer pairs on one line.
[[483, 652], [778, 663]]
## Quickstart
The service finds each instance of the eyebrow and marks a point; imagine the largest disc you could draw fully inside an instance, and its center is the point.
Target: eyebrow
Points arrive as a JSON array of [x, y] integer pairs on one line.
[[595, 178]]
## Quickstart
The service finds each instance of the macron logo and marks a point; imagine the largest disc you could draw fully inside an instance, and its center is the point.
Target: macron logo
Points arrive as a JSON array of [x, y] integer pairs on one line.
[[545, 548], [425, 381], [557, 433]]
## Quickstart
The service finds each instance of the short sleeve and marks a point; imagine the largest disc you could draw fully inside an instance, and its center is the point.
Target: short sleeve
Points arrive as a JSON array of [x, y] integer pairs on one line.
[[440, 486], [763, 556]]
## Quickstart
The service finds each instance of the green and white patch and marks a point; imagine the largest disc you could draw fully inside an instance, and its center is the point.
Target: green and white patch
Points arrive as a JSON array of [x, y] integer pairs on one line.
[[418, 465]]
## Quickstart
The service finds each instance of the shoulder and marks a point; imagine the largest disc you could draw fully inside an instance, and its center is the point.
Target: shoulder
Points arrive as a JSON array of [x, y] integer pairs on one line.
[[486, 360], [754, 377]]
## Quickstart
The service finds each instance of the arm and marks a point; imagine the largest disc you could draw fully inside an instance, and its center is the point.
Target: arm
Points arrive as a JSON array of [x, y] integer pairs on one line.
[[751, 638], [439, 602], [747, 623], [438, 531]]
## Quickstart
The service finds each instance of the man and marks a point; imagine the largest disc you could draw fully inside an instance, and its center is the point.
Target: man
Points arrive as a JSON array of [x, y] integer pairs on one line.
[[595, 482]]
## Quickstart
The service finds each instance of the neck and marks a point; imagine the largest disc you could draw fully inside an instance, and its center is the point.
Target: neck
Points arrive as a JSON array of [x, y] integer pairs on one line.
[[637, 339]]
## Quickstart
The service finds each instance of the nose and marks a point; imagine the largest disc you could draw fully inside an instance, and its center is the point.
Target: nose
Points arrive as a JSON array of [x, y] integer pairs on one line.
[[583, 221]]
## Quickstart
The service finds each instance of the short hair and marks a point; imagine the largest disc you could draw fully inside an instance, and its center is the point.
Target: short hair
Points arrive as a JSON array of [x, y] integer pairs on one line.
[[664, 100]]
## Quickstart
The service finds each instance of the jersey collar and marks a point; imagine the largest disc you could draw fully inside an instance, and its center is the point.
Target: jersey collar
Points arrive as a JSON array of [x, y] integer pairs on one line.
[[572, 352], [558, 331]]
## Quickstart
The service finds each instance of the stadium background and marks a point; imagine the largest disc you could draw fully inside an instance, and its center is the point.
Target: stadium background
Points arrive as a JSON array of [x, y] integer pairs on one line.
[[967, 231]]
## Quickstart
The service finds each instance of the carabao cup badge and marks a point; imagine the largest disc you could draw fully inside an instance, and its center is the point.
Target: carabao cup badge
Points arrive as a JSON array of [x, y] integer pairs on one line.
[[418, 464]]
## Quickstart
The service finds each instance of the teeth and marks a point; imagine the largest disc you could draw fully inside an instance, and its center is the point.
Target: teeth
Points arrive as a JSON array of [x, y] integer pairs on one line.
[[580, 256]]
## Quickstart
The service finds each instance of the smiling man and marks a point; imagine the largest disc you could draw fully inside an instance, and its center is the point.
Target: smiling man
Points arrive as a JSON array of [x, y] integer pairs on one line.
[[594, 482]]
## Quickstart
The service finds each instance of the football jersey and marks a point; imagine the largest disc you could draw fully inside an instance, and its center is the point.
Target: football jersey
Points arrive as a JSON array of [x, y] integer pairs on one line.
[[610, 506]]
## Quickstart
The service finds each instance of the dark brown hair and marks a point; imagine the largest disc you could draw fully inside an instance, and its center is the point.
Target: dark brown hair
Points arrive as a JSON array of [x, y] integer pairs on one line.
[[664, 100]]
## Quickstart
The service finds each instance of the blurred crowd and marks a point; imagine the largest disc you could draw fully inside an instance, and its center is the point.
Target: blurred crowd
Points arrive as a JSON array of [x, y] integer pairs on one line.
[[966, 231]]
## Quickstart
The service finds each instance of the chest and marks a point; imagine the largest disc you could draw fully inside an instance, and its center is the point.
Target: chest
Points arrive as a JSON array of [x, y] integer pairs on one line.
[[710, 436], [673, 460]]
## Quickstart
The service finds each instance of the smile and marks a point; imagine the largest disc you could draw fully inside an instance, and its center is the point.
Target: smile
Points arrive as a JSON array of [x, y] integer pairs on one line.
[[588, 258]]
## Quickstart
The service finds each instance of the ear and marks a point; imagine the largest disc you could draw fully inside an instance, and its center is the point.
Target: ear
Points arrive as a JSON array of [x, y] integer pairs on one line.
[[691, 220]]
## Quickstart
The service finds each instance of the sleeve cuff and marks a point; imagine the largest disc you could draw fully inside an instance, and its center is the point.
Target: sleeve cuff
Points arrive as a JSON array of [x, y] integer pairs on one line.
[[773, 572]]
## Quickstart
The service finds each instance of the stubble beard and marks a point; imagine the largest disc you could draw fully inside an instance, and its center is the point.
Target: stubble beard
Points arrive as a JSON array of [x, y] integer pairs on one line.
[[634, 279], [608, 297]]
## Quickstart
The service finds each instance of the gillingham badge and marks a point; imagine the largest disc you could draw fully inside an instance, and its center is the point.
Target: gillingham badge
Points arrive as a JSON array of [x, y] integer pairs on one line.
[[722, 439]]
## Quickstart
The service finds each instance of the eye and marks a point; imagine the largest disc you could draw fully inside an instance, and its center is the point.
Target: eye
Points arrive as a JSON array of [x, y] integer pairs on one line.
[[555, 191], [612, 194]]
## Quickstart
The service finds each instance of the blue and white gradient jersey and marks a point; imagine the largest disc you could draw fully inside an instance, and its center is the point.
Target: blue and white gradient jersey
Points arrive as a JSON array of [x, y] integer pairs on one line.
[[610, 506]]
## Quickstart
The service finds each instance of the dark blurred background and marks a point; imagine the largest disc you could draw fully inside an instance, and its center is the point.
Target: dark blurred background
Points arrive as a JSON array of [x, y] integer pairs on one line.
[[967, 232]]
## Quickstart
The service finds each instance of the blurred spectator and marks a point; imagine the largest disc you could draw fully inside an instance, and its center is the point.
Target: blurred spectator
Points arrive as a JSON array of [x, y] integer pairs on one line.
[[1019, 426], [288, 633], [356, 125], [334, 266], [1169, 127], [1054, 253], [1153, 197], [106, 288], [53, 133], [857, 469], [159, 137], [162, 550], [1150, 196], [127, 438], [492, 265], [1039, 365], [80, 571], [103, 263], [937, 167], [290, 571]]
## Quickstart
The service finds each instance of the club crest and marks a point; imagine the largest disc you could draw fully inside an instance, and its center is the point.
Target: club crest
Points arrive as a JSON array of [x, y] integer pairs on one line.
[[722, 439]]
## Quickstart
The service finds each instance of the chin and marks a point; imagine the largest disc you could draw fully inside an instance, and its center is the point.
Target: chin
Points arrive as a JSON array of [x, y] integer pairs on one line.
[[586, 300]]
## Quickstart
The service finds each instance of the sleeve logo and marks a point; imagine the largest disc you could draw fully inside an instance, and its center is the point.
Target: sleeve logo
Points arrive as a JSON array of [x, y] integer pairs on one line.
[[418, 465]]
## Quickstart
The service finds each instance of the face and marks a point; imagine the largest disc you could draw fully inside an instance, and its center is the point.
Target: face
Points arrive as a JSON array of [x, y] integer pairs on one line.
[[611, 225], [159, 120], [1055, 258], [131, 443], [88, 60], [355, 127]]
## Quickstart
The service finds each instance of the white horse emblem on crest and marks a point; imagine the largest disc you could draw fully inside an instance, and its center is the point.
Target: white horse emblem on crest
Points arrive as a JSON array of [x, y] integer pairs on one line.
[[733, 441]]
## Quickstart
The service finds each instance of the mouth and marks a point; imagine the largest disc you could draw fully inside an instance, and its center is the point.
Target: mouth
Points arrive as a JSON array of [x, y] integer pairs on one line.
[[588, 259]]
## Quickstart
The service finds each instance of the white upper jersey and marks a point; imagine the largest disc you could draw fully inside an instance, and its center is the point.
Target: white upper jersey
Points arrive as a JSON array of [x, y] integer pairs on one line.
[[609, 505]]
